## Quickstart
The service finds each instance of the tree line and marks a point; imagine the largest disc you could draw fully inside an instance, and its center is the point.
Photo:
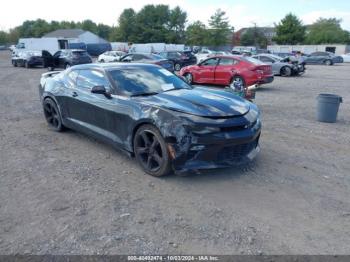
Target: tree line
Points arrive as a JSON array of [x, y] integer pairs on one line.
[[160, 23]]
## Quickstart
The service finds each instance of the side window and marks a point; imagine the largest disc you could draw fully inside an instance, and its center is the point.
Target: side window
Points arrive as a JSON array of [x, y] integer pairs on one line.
[[226, 61], [266, 59], [87, 79], [205, 52], [163, 54], [210, 62]]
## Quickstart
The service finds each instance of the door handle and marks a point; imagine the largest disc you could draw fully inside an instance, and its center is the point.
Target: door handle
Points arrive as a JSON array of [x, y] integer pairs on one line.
[[74, 94]]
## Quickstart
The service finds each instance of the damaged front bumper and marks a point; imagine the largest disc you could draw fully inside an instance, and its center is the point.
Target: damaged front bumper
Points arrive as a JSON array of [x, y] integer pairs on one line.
[[218, 151]]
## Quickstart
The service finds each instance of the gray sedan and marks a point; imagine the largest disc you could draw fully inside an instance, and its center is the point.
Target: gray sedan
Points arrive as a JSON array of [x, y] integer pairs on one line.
[[279, 67]]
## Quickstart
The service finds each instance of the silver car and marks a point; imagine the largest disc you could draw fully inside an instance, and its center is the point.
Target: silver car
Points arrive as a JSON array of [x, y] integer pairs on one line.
[[279, 67]]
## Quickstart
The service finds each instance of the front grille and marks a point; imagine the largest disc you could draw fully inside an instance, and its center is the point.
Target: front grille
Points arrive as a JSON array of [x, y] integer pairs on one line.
[[236, 152]]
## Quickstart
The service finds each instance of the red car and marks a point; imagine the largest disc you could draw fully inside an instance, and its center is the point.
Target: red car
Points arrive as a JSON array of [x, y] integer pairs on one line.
[[229, 71]]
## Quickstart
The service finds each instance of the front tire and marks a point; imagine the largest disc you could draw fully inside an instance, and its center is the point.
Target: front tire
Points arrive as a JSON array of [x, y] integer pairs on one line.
[[52, 115], [151, 151], [177, 67], [286, 71]]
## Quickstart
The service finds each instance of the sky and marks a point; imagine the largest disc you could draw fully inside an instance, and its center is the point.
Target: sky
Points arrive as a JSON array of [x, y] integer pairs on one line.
[[240, 13]]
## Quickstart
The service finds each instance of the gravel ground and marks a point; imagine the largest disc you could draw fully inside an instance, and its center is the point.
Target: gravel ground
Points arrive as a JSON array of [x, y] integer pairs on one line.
[[66, 193]]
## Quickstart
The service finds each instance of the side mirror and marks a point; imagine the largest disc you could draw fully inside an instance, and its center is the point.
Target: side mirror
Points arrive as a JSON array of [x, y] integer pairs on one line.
[[100, 90]]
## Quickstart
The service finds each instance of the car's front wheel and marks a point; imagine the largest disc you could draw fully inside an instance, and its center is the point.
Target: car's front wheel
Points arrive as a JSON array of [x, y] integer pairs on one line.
[[52, 115], [286, 71], [151, 151]]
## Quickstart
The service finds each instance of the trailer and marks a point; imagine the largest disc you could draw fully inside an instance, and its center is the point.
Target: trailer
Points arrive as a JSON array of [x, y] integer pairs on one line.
[[49, 44], [308, 49]]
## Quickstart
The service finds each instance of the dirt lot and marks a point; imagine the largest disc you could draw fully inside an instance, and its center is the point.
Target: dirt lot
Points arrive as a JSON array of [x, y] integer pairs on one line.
[[65, 193]]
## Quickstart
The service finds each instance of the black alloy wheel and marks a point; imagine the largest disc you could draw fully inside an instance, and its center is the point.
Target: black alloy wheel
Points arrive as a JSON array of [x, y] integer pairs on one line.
[[52, 115], [151, 151]]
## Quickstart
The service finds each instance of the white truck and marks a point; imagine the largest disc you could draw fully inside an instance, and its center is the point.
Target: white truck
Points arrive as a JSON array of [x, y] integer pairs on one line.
[[49, 44]]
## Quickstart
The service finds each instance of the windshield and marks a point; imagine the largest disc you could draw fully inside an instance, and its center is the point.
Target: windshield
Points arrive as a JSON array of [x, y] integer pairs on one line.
[[146, 80]]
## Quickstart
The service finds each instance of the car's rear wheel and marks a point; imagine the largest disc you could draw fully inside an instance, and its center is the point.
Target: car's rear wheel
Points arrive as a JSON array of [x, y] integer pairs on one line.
[[177, 67], [52, 115], [286, 71], [188, 78], [102, 61], [151, 151], [328, 62], [237, 81]]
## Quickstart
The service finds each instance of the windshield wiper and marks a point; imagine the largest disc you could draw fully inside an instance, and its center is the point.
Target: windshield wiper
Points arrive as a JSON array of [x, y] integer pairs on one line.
[[145, 94]]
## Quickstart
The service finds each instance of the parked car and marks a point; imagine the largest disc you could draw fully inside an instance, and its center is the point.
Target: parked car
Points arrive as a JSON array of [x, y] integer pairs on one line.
[[346, 58], [203, 54], [229, 71], [148, 59], [110, 56], [27, 59], [323, 58], [179, 59], [280, 66], [66, 58], [153, 115]]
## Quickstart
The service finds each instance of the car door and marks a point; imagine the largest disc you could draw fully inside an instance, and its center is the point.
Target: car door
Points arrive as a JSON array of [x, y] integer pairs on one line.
[[206, 71], [93, 113], [312, 58], [224, 70]]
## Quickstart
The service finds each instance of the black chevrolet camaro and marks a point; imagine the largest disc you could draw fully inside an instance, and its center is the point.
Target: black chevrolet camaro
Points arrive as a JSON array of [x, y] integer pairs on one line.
[[153, 115]]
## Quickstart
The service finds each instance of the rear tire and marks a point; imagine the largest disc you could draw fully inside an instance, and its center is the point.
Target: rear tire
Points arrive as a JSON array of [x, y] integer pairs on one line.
[[151, 151], [328, 62], [189, 78], [286, 71], [237, 80], [102, 61], [52, 115]]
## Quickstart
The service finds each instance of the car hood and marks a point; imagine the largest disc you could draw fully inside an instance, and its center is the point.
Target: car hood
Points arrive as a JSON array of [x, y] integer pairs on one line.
[[199, 101]]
